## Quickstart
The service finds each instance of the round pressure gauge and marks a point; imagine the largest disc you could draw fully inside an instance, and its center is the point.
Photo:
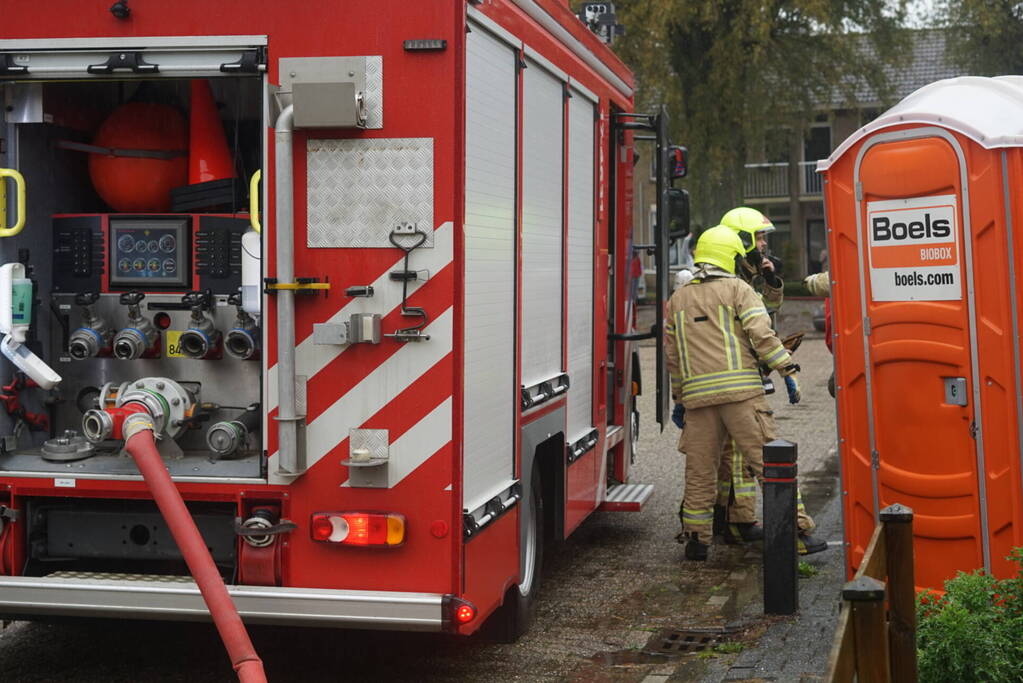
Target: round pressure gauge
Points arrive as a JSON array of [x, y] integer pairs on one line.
[[167, 244], [126, 244]]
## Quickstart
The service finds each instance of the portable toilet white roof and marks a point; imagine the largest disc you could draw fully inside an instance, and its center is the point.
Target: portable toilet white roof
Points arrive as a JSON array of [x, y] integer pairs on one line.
[[987, 110]]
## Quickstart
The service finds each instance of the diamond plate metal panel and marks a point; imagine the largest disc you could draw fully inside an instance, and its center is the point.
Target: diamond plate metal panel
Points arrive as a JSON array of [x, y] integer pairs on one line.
[[359, 190], [371, 473], [373, 440], [374, 92]]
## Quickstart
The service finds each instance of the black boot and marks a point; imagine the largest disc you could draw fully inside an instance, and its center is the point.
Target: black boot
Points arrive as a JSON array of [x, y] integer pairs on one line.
[[743, 532], [808, 545], [696, 551]]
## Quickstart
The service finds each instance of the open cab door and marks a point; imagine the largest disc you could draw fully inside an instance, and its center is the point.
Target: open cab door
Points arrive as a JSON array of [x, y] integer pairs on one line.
[[672, 222]]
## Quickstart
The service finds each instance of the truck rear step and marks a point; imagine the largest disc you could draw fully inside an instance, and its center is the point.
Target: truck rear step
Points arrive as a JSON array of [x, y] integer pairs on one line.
[[626, 497]]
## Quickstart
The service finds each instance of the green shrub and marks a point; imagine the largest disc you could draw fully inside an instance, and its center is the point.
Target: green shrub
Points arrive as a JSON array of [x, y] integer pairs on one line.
[[974, 632]]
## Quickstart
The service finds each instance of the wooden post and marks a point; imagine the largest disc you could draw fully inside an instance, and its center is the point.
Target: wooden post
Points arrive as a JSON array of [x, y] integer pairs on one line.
[[898, 539], [781, 575], [866, 600]]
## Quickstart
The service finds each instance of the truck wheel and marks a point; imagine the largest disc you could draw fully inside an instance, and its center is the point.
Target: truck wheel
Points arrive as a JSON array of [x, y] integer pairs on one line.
[[511, 620]]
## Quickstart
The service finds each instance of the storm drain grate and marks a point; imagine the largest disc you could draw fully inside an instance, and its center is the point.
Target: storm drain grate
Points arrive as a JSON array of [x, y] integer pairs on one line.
[[672, 642]]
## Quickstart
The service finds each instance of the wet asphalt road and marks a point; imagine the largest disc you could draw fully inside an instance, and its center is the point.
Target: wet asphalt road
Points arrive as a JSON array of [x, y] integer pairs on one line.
[[619, 579]]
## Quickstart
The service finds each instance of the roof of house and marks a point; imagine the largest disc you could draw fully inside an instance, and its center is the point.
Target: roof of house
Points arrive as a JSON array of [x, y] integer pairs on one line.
[[927, 62]]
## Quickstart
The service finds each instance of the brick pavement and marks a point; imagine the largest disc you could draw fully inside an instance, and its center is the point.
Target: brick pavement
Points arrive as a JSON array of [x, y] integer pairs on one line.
[[797, 649], [790, 649]]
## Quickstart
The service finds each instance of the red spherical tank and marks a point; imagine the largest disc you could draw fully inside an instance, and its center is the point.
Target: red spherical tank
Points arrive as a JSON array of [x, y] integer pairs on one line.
[[140, 184]]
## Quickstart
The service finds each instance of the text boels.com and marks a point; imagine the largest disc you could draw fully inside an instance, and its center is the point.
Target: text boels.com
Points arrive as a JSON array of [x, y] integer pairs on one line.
[[915, 279]]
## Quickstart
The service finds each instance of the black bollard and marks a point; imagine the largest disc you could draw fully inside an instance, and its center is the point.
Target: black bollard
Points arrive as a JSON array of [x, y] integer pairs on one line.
[[781, 594]]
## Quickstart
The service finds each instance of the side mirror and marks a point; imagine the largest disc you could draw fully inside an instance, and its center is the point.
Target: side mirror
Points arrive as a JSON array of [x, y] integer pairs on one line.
[[678, 213], [678, 162]]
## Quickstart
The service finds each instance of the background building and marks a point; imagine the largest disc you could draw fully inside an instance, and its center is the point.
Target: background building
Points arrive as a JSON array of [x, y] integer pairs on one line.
[[782, 180]]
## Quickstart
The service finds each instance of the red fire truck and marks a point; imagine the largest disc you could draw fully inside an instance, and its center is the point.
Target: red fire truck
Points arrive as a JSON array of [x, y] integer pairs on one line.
[[379, 396]]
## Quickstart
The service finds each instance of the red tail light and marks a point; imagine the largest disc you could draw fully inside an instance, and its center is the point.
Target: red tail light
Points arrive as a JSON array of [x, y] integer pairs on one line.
[[377, 529], [458, 612], [321, 528]]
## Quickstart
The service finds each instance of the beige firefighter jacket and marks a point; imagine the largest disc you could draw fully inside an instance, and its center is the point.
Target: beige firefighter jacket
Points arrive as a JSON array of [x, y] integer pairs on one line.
[[717, 331]]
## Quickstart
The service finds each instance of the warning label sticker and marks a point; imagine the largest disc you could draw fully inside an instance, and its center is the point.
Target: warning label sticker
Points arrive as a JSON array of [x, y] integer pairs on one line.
[[914, 249]]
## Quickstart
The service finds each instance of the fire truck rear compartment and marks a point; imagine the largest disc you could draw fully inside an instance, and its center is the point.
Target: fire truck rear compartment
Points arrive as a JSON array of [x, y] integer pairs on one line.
[[120, 536], [73, 245]]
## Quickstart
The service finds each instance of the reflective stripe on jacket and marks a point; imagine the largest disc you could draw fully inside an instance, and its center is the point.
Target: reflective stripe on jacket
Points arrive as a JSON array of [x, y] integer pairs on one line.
[[716, 332]]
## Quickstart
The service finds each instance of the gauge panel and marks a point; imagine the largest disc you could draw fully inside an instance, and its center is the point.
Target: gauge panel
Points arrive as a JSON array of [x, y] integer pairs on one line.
[[148, 253]]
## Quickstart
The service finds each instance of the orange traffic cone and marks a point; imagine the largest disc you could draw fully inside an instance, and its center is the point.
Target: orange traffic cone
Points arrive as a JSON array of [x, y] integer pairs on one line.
[[208, 155]]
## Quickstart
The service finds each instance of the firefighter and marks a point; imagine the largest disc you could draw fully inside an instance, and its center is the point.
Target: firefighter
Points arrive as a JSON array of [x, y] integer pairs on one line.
[[756, 268], [717, 333], [735, 512]]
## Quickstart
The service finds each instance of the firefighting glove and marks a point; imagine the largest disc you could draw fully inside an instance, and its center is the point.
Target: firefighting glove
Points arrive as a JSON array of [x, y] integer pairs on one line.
[[678, 416], [771, 278], [792, 386]]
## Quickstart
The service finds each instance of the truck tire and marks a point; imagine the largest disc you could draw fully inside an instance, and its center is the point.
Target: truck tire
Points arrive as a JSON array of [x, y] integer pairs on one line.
[[512, 619]]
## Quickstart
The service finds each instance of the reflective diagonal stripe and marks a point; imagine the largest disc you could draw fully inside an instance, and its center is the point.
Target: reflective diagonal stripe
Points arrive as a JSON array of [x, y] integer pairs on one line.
[[375, 391], [415, 446], [777, 356], [310, 358], [752, 313]]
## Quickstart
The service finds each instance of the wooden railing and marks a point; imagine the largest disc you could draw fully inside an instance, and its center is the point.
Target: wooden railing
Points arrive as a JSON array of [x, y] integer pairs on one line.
[[872, 645]]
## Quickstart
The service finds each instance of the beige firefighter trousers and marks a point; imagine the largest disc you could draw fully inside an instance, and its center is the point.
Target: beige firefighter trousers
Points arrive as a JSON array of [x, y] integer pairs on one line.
[[750, 424], [737, 489]]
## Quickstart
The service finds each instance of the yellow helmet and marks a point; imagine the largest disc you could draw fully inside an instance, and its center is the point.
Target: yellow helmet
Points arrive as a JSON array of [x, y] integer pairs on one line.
[[718, 246], [747, 222]]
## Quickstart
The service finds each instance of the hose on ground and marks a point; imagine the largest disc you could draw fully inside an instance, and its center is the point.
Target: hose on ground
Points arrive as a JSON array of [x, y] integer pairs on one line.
[[247, 664]]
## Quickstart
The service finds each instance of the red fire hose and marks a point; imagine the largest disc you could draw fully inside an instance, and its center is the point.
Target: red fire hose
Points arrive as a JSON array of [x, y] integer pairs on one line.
[[244, 659]]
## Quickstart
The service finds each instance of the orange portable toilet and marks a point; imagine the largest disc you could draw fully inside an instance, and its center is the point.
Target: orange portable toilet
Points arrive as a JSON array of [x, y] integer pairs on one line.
[[924, 209]]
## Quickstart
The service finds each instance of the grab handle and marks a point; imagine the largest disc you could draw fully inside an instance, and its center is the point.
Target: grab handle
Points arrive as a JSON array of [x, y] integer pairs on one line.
[[19, 181], [254, 200]]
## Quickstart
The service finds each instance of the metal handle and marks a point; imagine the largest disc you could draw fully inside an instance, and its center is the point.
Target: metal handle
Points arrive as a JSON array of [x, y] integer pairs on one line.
[[254, 200], [19, 181]]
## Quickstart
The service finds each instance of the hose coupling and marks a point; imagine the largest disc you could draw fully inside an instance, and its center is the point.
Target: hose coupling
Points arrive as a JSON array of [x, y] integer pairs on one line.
[[137, 422]]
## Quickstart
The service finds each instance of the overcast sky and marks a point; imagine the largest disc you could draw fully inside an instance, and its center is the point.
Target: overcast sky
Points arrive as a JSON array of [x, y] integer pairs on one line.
[[921, 12]]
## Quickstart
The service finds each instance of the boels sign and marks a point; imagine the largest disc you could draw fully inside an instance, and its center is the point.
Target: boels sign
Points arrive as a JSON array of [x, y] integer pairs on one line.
[[914, 249]]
